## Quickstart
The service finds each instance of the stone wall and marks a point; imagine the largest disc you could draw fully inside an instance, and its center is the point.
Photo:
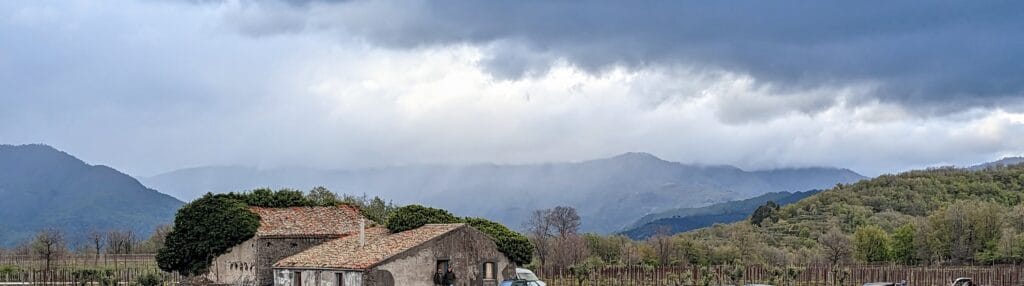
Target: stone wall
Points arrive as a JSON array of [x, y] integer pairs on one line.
[[270, 250], [236, 267], [466, 249]]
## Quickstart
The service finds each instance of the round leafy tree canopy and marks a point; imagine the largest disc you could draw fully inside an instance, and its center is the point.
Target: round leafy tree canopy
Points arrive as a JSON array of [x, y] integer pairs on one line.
[[203, 230]]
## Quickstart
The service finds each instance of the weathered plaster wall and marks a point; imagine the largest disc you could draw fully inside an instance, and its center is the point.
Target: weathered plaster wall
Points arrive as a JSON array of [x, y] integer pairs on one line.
[[237, 267], [466, 249], [270, 250]]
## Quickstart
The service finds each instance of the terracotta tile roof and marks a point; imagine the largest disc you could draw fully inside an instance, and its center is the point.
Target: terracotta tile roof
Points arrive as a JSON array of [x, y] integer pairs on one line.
[[345, 253], [308, 221]]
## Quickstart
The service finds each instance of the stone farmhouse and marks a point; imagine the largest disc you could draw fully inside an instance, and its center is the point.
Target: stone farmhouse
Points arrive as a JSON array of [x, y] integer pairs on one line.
[[335, 246]]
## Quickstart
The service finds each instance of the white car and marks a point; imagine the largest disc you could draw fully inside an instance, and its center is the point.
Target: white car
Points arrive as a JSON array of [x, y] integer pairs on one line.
[[524, 277]]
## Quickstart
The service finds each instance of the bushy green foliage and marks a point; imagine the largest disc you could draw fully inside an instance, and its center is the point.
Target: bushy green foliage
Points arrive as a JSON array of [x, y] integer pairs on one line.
[[513, 244], [871, 244], [414, 216], [764, 213], [9, 270], [149, 279], [903, 250], [205, 229], [275, 199], [100, 276]]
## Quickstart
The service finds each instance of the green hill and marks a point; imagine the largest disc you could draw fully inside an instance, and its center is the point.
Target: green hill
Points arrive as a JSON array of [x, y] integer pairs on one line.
[[944, 215], [44, 188]]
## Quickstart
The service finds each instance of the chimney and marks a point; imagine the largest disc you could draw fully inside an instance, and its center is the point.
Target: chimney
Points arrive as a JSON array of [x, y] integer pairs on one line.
[[362, 232]]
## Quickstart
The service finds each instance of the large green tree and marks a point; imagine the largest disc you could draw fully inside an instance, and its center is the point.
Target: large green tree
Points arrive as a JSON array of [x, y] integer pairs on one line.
[[871, 244], [903, 250], [204, 229]]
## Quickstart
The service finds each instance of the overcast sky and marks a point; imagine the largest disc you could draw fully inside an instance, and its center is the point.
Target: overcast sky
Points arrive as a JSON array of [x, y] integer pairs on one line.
[[151, 86]]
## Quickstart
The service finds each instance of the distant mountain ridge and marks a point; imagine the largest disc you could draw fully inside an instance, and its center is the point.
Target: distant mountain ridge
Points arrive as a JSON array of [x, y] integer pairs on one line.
[[1006, 161], [43, 187], [609, 193], [686, 219]]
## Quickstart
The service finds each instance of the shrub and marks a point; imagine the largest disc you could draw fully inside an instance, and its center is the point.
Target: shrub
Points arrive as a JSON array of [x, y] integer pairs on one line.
[[149, 279]]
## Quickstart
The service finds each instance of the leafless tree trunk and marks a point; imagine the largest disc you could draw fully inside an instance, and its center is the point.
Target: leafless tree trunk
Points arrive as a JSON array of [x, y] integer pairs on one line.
[[120, 242], [539, 228], [49, 244], [96, 243]]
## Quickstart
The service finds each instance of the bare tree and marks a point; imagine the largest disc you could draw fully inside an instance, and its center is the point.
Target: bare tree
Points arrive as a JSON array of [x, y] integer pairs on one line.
[[120, 242], [48, 245], [568, 251], [554, 235], [96, 244], [663, 246], [837, 246], [539, 228], [564, 220]]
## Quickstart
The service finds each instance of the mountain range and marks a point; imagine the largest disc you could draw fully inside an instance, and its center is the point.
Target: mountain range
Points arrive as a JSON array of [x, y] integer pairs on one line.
[[44, 188], [609, 193], [685, 219], [1006, 161]]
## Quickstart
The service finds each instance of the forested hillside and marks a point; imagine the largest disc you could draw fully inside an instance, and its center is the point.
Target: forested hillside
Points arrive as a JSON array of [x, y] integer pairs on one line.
[[935, 216]]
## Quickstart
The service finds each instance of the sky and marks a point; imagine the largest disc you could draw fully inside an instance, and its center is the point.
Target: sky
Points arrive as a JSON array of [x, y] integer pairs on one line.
[[150, 86]]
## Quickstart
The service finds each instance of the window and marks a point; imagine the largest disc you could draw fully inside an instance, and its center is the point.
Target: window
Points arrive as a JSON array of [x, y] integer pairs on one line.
[[298, 279], [488, 271], [339, 279]]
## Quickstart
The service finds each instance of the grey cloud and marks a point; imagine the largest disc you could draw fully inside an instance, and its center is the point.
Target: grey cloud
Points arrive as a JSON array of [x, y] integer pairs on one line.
[[939, 56]]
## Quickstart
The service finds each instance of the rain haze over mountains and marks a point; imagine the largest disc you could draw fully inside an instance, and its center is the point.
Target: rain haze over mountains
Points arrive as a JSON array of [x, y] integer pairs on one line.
[[496, 108]]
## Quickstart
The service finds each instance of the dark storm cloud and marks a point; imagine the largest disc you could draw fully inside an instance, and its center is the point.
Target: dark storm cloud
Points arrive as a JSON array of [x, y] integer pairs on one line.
[[928, 54]]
